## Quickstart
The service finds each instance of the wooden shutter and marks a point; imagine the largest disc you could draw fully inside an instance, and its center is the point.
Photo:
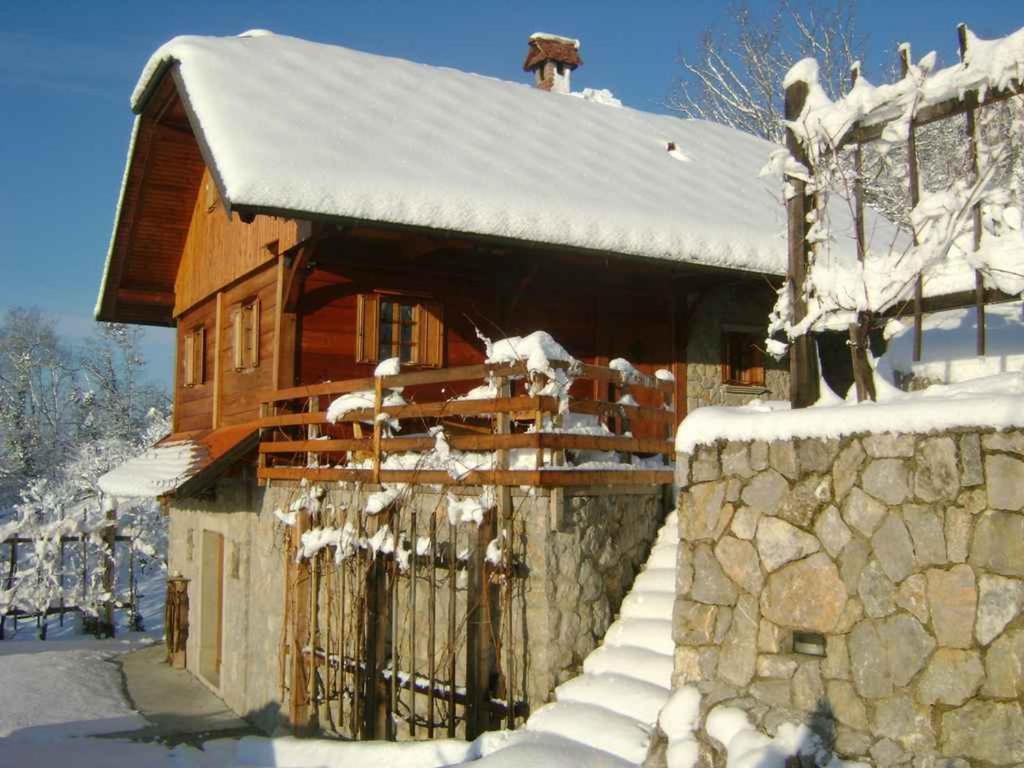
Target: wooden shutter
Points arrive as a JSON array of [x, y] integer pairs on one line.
[[367, 320], [199, 350], [238, 338], [430, 331], [253, 333], [188, 360], [755, 373]]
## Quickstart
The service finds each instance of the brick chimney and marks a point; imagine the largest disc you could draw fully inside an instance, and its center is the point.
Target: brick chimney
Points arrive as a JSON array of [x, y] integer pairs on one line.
[[551, 58]]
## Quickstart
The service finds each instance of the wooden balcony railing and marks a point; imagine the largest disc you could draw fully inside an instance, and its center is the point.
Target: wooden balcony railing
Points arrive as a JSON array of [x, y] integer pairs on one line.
[[299, 443]]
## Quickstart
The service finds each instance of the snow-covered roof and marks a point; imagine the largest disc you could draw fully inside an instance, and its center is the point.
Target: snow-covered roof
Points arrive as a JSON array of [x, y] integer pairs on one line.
[[157, 472], [294, 127]]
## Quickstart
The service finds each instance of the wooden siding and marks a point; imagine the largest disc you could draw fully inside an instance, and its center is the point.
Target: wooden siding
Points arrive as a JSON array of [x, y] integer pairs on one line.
[[218, 251]]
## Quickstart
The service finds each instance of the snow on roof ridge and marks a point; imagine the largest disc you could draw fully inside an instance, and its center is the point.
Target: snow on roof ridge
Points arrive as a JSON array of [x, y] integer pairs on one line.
[[255, 33], [556, 38]]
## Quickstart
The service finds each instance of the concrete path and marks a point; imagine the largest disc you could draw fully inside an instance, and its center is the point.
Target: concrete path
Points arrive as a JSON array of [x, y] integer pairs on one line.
[[179, 708]]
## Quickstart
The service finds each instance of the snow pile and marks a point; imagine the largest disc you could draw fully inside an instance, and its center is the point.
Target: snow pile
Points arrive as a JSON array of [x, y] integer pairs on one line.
[[949, 346], [358, 152], [158, 471], [678, 720], [598, 96], [538, 351], [994, 401], [606, 715], [363, 399], [749, 748], [290, 751]]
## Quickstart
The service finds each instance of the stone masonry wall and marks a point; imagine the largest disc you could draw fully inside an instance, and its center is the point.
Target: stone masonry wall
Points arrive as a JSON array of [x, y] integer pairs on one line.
[[904, 553], [583, 548]]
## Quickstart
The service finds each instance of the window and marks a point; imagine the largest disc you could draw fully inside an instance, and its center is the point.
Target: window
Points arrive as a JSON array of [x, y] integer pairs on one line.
[[742, 359], [194, 357], [245, 335], [395, 325]]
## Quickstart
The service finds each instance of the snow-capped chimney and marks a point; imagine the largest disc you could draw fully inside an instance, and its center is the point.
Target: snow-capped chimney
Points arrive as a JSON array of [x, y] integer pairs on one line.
[[551, 58]]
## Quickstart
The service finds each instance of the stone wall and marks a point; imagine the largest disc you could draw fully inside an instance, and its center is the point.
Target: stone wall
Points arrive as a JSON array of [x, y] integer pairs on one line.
[[902, 554], [738, 307], [583, 547]]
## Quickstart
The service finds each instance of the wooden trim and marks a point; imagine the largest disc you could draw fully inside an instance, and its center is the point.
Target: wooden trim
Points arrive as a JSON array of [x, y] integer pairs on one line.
[[278, 321], [525, 440], [217, 362], [632, 412], [543, 478]]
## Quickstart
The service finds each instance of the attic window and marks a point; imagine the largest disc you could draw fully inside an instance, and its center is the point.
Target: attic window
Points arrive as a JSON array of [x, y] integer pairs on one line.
[[193, 358], [245, 336], [742, 359], [395, 325]]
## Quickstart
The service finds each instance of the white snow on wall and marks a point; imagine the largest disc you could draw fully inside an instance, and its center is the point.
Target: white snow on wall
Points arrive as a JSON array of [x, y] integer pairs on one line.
[[392, 141], [158, 471], [949, 344]]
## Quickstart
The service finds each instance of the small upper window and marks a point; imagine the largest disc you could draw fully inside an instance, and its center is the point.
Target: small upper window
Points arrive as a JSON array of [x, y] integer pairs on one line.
[[392, 325], [193, 357], [245, 338], [742, 359]]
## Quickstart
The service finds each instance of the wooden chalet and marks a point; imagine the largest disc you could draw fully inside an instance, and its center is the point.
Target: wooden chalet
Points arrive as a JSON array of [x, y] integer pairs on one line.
[[327, 210]]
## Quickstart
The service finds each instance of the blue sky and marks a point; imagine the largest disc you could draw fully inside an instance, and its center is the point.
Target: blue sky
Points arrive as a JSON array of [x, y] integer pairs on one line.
[[67, 69]]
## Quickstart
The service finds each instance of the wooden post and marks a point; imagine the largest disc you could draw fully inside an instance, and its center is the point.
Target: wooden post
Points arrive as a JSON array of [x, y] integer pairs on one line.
[[300, 668], [375, 708], [391, 725], [453, 553], [863, 375], [479, 652], [413, 556], [803, 358], [432, 626], [915, 196], [378, 401], [109, 573], [971, 99]]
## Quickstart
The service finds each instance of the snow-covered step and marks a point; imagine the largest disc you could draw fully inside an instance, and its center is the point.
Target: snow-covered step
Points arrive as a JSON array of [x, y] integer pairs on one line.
[[595, 726], [663, 556], [650, 634], [518, 749], [650, 666], [648, 605], [656, 580], [626, 695]]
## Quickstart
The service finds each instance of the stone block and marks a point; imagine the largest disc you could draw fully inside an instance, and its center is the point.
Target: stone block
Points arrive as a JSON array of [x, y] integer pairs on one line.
[[937, 475], [862, 512], [684, 569], [773, 692], [847, 706], [868, 663], [704, 513], [710, 584], [816, 455], [771, 638], [1004, 666], [682, 471], [913, 596], [738, 653], [705, 467], [836, 664], [971, 472], [852, 613], [845, 469], [744, 523], [899, 718], [951, 677], [887, 480], [1011, 441], [740, 562], [907, 646], [959, 524], [765, 492], [1005, 476], [998, 543], [894, 549], [736, 460], [887, 753], [832, 531], [693, 665], [889, 445], [782, 458], [852, 561], [926, 530], [802, 503], [776, 666], [758, 455], [805, 595], [851, 742], [952, 602], [986, 731], [876, 591], [1000, 601], [779, 543], [808, 687], [693, 623]]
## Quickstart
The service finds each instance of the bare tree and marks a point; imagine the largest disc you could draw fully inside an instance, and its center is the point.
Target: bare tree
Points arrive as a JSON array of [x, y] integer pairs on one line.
[[736, 75]]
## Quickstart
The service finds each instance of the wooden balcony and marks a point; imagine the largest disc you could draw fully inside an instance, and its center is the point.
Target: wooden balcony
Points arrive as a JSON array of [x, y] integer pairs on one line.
[[519, 420]]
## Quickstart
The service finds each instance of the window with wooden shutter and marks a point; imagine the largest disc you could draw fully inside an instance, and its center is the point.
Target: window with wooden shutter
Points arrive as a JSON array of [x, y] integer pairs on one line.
[[742, 359], [194, 357], [395, 325]]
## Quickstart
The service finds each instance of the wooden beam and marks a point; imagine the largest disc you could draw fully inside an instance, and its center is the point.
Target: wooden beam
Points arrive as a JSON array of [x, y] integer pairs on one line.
[[488, 442], [142, 296], [544, 478]]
